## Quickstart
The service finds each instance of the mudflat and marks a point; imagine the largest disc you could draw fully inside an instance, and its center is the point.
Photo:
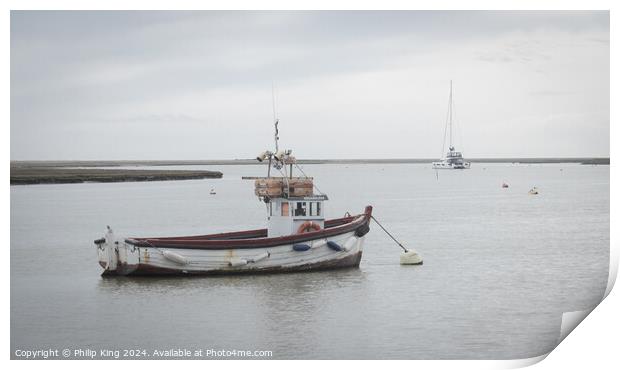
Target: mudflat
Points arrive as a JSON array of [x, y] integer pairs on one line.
[[32, 174]]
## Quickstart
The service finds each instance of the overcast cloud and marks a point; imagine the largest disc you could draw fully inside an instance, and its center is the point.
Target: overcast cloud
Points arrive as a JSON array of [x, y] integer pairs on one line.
[[197, 85]]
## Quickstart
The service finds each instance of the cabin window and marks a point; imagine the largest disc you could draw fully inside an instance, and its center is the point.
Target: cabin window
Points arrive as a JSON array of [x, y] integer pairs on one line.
[[315, 208], [301, 209], [285, 209]]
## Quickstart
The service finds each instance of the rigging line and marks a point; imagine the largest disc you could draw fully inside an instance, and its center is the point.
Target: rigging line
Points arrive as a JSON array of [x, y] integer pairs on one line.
[[450, 110], [458, 129], [445, 130], [302, 171], [285, 176]]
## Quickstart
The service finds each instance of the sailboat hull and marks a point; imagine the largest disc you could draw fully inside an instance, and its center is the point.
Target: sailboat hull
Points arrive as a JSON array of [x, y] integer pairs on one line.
[[451, 166]]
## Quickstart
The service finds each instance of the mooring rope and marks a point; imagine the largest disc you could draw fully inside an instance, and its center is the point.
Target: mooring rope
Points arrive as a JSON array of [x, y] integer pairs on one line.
[[390, 235]]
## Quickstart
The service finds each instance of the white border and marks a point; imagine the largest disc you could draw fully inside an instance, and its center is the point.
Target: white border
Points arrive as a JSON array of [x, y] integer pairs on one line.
[[593, 339]]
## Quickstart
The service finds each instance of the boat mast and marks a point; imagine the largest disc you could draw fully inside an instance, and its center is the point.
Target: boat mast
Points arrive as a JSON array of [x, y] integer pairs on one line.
[[277, 155], [275, 136], [275, 118], [450, 110]]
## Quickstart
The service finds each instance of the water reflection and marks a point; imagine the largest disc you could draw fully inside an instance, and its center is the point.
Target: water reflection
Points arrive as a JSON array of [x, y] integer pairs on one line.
[[290, 284]]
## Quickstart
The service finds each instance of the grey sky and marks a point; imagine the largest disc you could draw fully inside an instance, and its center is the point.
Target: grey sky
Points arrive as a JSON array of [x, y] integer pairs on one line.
[[197, 85]]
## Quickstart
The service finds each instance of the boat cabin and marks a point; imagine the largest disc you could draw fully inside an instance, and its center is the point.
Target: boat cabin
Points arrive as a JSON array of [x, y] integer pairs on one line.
[[292, 205], [454, 157], [286, 216], [453, 154]]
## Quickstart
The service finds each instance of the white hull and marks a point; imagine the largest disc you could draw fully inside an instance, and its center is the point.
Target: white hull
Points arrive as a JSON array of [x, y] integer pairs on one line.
[[120, 258], [451, 166]]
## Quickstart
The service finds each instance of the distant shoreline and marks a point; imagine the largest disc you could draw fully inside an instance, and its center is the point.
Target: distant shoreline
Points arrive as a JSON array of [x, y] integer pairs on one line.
[[137, 163], [71, 172]]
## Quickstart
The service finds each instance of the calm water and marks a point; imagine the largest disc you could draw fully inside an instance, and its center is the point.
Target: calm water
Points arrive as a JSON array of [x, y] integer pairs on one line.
[[500, 266]]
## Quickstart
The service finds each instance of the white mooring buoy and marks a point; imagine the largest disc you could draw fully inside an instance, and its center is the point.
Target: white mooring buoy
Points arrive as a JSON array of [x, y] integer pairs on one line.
[[409, 257]]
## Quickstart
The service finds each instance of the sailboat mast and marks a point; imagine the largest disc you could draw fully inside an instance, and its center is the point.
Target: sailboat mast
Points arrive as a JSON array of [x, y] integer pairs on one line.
[[450, 110]]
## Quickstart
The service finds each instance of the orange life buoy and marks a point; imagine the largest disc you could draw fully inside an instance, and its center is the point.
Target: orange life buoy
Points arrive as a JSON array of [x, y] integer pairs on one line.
[[308, 226]]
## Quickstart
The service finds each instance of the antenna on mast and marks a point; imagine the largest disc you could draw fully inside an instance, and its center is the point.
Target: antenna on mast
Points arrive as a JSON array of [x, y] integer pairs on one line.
[[275, 117], [450, 110]]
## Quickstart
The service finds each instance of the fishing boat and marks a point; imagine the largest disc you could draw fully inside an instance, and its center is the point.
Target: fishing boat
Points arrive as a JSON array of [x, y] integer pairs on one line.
[[453, 159], [297, 236]]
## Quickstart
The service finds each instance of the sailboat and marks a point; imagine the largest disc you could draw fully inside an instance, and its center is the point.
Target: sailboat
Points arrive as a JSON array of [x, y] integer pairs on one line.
[[453, 159]]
